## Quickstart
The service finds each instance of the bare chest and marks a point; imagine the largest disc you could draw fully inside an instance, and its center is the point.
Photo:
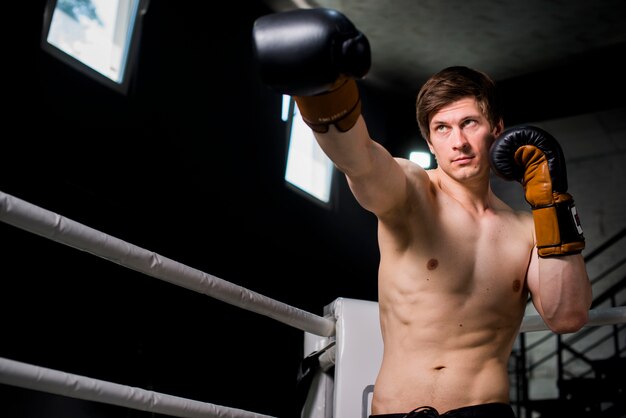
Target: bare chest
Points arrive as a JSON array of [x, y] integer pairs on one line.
[[455, 253]]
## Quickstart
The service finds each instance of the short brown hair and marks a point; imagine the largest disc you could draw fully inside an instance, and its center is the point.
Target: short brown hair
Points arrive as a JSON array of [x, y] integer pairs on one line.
[[452, 84]]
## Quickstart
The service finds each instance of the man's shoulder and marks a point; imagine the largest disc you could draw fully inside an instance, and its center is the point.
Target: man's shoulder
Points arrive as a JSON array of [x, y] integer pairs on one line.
[[501, 205], [514, 217], [415, 174]]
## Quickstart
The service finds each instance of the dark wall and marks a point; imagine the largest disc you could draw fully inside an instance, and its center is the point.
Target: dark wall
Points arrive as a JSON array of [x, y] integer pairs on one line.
[[189, 165], [584, 84]]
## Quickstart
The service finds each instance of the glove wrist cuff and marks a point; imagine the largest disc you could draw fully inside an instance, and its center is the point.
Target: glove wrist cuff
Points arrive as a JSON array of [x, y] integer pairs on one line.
[[340, 107], [557, 227]]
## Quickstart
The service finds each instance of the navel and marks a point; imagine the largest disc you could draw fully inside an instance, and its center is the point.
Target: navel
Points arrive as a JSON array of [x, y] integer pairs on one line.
[[432, 264], [516, 285]]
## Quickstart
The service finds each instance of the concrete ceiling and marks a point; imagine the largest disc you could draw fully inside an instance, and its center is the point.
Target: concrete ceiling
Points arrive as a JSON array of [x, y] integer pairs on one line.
[[412, 39]]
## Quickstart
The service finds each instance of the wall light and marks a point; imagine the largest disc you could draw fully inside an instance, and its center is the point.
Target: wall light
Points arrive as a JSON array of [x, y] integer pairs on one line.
[[421, 158]]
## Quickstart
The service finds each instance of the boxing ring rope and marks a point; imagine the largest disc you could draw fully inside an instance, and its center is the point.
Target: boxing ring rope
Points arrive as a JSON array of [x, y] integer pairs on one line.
[[597, 317], [39, 221], [29, 217], [59, 383]]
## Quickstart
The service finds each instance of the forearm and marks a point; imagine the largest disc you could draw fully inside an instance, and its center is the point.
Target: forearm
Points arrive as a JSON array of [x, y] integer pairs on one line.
[[352, 152], [374, 176], [563, 295]]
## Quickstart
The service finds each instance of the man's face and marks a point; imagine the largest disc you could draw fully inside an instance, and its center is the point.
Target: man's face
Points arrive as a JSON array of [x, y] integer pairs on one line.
[[460, 137]]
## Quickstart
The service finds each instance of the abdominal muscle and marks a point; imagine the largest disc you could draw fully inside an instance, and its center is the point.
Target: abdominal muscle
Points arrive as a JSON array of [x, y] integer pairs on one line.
[[444, 349]]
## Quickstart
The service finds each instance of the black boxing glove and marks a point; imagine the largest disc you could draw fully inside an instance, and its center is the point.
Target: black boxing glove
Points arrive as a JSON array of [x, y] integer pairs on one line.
[[315, 55], [534, 158]]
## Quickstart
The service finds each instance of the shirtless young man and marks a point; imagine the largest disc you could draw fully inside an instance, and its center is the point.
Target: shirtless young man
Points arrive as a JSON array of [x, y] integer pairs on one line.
[[457, 264]]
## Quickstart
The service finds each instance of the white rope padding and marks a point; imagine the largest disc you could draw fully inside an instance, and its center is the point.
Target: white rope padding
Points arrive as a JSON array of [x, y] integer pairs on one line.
[[597, 317], [80, 387], [37, 220]]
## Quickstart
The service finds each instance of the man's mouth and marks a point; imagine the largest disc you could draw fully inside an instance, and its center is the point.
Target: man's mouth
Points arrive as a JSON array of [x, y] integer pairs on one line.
[[463, 159]]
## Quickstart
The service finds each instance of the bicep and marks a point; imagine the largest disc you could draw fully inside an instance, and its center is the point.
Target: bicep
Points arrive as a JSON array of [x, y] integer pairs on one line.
[[532, 273], [384, 186], [532, 280]]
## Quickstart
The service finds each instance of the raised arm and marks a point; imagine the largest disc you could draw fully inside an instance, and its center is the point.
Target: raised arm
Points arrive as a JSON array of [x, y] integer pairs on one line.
[[316, 56], [557, 275]]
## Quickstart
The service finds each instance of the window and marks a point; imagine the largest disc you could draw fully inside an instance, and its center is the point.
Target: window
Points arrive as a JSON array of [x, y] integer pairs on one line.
[[308, 169], [96, 37]]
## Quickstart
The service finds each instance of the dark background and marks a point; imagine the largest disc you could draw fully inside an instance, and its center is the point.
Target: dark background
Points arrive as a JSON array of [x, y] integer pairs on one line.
[[189, 165]]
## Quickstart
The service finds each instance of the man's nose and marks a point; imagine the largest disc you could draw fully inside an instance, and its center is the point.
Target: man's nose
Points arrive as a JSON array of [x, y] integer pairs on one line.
[[460, 141]]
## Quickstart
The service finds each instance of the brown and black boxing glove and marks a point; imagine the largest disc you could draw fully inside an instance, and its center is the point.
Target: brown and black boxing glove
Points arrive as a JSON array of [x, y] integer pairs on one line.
[[534, 158], [315, 55]]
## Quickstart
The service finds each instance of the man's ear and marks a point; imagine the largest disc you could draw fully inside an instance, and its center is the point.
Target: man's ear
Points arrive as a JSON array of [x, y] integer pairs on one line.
[[430, 147], [497, 130]]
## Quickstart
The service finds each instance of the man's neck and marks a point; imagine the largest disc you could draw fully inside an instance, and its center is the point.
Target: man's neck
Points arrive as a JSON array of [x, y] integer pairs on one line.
[[474, 194]]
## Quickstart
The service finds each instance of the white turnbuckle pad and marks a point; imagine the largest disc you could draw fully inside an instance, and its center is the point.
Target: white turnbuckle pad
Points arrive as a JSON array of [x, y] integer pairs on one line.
[[358, 355]]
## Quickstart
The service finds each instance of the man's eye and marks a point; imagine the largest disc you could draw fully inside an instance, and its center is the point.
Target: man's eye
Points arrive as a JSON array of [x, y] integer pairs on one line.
[[469, 122]]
